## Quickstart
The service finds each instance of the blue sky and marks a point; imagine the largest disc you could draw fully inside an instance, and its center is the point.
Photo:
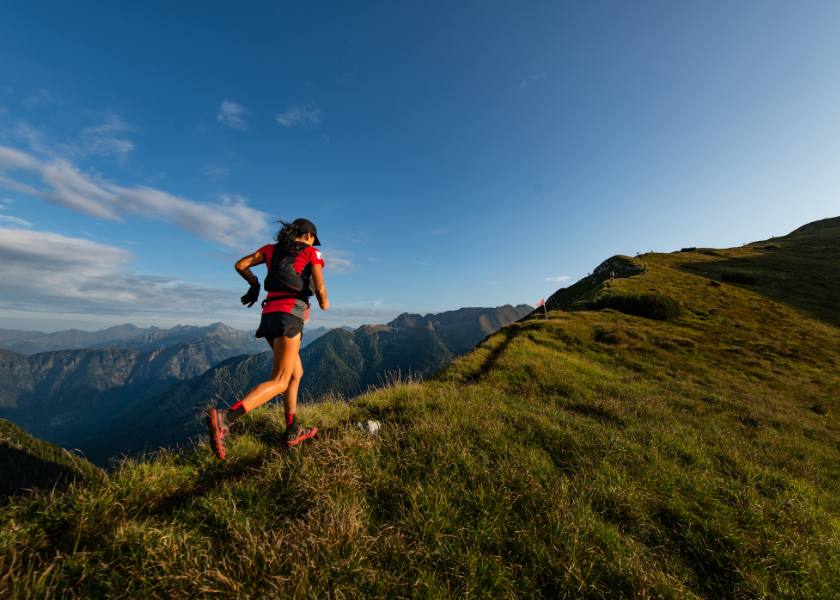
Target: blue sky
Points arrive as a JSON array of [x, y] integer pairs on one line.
[[451, 154]]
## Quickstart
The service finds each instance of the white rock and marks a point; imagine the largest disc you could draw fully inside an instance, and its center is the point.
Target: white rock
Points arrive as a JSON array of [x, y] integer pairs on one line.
[[370, 426]]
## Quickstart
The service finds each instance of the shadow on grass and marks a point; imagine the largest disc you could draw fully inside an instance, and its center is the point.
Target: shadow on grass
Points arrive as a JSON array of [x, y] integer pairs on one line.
[[23, 471], [813, 291], [489, 363], [598, 413], [232, 469], [709, 554]]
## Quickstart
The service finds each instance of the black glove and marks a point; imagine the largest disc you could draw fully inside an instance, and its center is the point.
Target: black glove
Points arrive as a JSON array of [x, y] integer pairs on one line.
[[252, 295]]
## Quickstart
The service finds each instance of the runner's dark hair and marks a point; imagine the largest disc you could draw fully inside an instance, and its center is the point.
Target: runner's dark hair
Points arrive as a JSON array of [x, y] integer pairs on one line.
[[286, 237]]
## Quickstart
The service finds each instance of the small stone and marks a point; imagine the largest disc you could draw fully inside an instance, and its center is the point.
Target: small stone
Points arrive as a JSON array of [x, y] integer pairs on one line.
[[371, 426]]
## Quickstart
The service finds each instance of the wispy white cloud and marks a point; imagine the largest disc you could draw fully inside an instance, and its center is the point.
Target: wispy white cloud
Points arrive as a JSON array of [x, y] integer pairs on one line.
[[299, 116], [365, 311], [108, 138], [6, 203], [214, 171], [337, 261], [558, 278], [232, 114], [12, 220], [45, 271], [35, 139], [11, 184], [225, 222], [75, 190], [15, 159]]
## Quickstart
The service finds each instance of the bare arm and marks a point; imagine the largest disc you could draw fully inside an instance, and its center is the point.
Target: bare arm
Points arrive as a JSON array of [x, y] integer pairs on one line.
[[244, 264], [320, 287]]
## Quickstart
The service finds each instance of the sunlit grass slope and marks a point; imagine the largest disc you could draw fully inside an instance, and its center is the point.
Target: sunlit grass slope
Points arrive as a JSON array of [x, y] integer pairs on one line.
[[595, 454]]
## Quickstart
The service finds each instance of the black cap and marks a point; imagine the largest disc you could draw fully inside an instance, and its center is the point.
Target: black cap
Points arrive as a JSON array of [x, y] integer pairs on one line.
[[306, 226]]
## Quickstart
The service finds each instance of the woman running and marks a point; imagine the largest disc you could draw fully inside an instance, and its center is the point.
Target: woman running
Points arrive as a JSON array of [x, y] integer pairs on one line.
[[283, 316]]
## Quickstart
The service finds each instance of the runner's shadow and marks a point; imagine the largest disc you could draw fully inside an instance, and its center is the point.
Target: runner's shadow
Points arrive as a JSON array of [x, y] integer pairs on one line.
[[233, 469], [209, 480]]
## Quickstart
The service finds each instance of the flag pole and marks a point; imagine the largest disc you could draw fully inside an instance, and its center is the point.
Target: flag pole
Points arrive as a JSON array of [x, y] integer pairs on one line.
[[544, 307]]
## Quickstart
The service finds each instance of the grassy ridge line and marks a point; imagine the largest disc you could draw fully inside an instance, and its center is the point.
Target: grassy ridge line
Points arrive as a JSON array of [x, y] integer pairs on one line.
[[29, 463], [592, 455]]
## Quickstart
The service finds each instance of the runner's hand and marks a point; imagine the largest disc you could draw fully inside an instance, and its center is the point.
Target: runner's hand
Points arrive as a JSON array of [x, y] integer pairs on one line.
[[252, 295], [325, 305]]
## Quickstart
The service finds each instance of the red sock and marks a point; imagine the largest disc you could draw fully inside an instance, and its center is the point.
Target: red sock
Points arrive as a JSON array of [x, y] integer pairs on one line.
[[290, 418], [238, 406]]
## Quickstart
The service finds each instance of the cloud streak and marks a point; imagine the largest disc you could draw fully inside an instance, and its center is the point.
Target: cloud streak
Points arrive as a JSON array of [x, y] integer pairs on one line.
[[47, 272], [12, 220], [107, 138], [558, 278], [232, 114], [226, 222], [214, 171], [299, 116], [337, 261]]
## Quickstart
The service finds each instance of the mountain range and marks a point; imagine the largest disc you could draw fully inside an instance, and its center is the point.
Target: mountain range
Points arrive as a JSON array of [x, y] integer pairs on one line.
[[345, 363], [131, 337], [147, 389]]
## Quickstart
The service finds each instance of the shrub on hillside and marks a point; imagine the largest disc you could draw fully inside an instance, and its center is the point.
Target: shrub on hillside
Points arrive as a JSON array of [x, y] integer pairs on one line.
[[652, 306]]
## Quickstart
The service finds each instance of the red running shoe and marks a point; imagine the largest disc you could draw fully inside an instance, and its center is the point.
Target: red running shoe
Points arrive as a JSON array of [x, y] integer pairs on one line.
[[297, 434], [218, 431]]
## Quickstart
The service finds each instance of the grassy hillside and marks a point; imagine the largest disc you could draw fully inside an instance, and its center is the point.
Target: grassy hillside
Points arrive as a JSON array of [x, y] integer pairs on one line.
[[594, 454], [27, 463]]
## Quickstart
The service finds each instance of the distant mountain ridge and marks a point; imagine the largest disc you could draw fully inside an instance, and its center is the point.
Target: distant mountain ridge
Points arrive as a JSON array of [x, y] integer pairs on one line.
[[340, 362], [131, 337], [127, 336], [32, 342], [346, 363]]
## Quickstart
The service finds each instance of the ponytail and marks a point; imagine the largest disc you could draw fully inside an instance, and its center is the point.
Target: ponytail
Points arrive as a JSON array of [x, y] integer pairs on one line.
[[286, 238]]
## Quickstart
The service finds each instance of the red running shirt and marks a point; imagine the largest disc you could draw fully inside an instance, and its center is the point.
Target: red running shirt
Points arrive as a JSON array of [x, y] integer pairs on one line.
[[308, 256]]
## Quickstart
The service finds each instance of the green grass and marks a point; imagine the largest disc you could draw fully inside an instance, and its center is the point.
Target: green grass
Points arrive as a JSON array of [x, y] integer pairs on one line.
[[28, 463], [595, 454]]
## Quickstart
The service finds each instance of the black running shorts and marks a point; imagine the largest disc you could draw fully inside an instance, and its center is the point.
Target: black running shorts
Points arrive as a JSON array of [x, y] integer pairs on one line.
[[275, 324]]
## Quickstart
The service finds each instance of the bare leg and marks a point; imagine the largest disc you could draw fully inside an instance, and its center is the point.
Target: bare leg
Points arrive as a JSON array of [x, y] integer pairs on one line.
[[285, 361], [291, 393]]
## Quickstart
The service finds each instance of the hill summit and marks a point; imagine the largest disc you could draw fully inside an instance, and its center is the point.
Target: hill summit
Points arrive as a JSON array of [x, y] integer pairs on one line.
[[667, 432]]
